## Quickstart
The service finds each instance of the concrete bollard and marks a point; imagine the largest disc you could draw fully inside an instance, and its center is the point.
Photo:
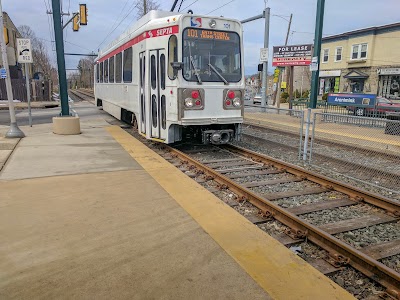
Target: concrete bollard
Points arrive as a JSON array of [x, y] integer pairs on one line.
[[66, 125]]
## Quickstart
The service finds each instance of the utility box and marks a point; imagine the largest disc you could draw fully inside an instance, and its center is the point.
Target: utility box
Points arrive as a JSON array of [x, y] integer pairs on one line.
[[393, 123]]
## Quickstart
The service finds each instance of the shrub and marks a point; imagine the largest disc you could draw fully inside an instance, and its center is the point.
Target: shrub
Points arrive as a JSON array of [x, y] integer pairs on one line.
[[325, 96], [284, 97], [306, 94]]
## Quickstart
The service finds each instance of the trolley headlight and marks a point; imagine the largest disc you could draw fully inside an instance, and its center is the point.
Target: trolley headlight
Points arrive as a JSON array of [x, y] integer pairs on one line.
[[189, 102], [213, 23], [236, 102]]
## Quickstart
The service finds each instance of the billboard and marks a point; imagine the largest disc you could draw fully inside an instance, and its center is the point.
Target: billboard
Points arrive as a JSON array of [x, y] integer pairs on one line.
[[296, 55], [352, 99]]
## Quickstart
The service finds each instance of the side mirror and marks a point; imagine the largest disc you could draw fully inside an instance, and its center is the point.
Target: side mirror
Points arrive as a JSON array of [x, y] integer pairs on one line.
[[176, 66]]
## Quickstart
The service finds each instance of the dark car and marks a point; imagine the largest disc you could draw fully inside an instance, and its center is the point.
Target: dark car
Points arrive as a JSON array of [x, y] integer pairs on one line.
[[382, 106]]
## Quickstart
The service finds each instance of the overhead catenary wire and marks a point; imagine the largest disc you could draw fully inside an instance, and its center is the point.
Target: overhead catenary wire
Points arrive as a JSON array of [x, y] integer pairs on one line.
[[220, 7], [131, 8], [190, 4]]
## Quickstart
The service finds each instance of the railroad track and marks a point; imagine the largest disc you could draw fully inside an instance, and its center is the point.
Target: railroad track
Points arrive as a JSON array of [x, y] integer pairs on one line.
[[318, 158], [353, 166], [83, 95], [238, 165]]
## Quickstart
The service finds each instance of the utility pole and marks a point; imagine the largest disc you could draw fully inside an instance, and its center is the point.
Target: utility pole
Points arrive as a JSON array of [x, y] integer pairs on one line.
[[265, 64], [62, 77], [144, 7], [278, 89], [14, 131], [319, 23]]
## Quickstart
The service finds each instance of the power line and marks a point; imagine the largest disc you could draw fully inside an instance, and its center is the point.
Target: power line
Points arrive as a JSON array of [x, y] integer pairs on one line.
[[220, 7], [180, 5], [108, 35], [190, 4]]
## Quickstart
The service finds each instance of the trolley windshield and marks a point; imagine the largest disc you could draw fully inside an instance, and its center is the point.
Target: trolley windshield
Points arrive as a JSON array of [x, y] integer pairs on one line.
[[211, 56]]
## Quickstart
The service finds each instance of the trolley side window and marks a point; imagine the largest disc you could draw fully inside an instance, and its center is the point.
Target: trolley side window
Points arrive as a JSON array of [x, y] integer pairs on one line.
[[106, 70], [153, 72], [172, 54], [118, 67], [162, 71], [128, 65], [111, 66], [98, 73], [101, 72]]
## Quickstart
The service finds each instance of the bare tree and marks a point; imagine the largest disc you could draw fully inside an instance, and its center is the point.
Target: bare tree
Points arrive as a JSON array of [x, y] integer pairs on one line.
[[144, 6], [86, 72]]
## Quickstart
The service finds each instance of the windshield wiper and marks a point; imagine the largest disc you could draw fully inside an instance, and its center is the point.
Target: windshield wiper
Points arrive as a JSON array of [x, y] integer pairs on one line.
[[219, 74], [195, 70]]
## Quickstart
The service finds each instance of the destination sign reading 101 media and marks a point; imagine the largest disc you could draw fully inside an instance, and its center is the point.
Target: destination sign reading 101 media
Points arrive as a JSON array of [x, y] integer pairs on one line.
[[209, 34]]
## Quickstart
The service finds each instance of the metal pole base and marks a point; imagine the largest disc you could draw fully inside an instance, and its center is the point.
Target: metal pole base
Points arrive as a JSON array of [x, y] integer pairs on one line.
[[14, 132]]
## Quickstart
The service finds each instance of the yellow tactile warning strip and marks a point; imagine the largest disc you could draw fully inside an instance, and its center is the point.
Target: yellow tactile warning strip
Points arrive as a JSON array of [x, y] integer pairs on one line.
[[334, 132], [281, 273]]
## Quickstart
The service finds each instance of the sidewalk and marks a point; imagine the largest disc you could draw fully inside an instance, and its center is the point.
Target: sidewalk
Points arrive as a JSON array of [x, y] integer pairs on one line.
[[79, 218], [34, 104]]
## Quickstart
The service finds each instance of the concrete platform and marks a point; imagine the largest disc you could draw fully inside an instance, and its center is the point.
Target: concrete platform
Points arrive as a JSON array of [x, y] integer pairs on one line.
[[80, 217]]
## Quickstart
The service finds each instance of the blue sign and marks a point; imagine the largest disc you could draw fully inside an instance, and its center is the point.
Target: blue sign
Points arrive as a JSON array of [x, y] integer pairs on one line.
[[352, 99], [3, 73]]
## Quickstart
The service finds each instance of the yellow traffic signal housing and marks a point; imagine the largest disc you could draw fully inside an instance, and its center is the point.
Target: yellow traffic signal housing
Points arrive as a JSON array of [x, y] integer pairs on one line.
[[83, 14], [75, 23], [5, 35]]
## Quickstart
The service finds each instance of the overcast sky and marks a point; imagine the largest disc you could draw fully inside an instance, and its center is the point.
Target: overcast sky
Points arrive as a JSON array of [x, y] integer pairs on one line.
[[105, 15]]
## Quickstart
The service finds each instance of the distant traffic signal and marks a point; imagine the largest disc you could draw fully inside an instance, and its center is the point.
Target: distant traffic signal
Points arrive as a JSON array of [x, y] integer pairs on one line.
[[83, 14], [5, 35], [75, 23]]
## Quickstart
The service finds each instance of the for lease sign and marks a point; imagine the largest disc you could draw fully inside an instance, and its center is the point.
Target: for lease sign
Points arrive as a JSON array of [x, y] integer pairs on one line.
[[295, 55]]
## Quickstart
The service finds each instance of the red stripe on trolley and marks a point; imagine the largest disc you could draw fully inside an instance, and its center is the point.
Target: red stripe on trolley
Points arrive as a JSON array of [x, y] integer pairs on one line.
[[143, 36]]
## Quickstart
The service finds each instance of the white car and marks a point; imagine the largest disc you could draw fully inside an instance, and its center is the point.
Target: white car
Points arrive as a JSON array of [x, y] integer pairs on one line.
[[257, 99]]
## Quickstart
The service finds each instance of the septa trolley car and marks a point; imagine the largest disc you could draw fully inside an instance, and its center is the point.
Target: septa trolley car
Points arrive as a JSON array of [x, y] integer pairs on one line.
[[178, 77]]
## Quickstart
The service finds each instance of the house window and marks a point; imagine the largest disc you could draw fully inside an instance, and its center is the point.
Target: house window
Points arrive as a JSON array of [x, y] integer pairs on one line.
[[359, 51], [338, 55], [326, 56]]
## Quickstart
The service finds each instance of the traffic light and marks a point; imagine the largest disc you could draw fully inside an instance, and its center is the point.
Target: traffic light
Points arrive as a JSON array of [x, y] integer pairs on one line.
[[83, 14], [5, 35], [75, 23]]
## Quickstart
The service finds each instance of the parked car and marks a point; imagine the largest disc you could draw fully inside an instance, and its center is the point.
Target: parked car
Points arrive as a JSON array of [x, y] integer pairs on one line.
[[257, 99], [382, 106]]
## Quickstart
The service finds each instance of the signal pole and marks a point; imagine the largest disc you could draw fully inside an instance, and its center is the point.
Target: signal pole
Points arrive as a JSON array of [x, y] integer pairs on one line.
[[319, 23], [62, 77], [14, 131], [265, 64]]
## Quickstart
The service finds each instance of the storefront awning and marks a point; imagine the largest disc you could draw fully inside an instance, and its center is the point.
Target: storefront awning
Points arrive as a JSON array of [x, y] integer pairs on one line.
[[356, 75]]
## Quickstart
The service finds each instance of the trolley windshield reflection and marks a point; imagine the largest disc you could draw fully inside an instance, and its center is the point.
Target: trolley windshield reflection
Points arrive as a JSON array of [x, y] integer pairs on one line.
[[220, 49]]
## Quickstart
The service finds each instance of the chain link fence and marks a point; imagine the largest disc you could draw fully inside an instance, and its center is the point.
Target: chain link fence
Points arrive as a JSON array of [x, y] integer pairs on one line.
[[277, 120], [362, 148]]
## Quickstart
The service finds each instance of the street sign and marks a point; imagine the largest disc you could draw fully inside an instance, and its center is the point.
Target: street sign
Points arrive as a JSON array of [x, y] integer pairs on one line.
[[264, 55], [3, 73], [24, 51], [314, 64], [296, 55]]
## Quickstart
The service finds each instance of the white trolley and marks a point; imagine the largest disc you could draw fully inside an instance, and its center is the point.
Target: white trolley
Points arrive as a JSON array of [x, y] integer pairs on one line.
[[177, 77]]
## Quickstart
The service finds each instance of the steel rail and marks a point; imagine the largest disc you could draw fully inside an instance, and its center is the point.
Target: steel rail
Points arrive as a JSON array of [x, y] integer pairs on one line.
[[340, 251], [377, 200]]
